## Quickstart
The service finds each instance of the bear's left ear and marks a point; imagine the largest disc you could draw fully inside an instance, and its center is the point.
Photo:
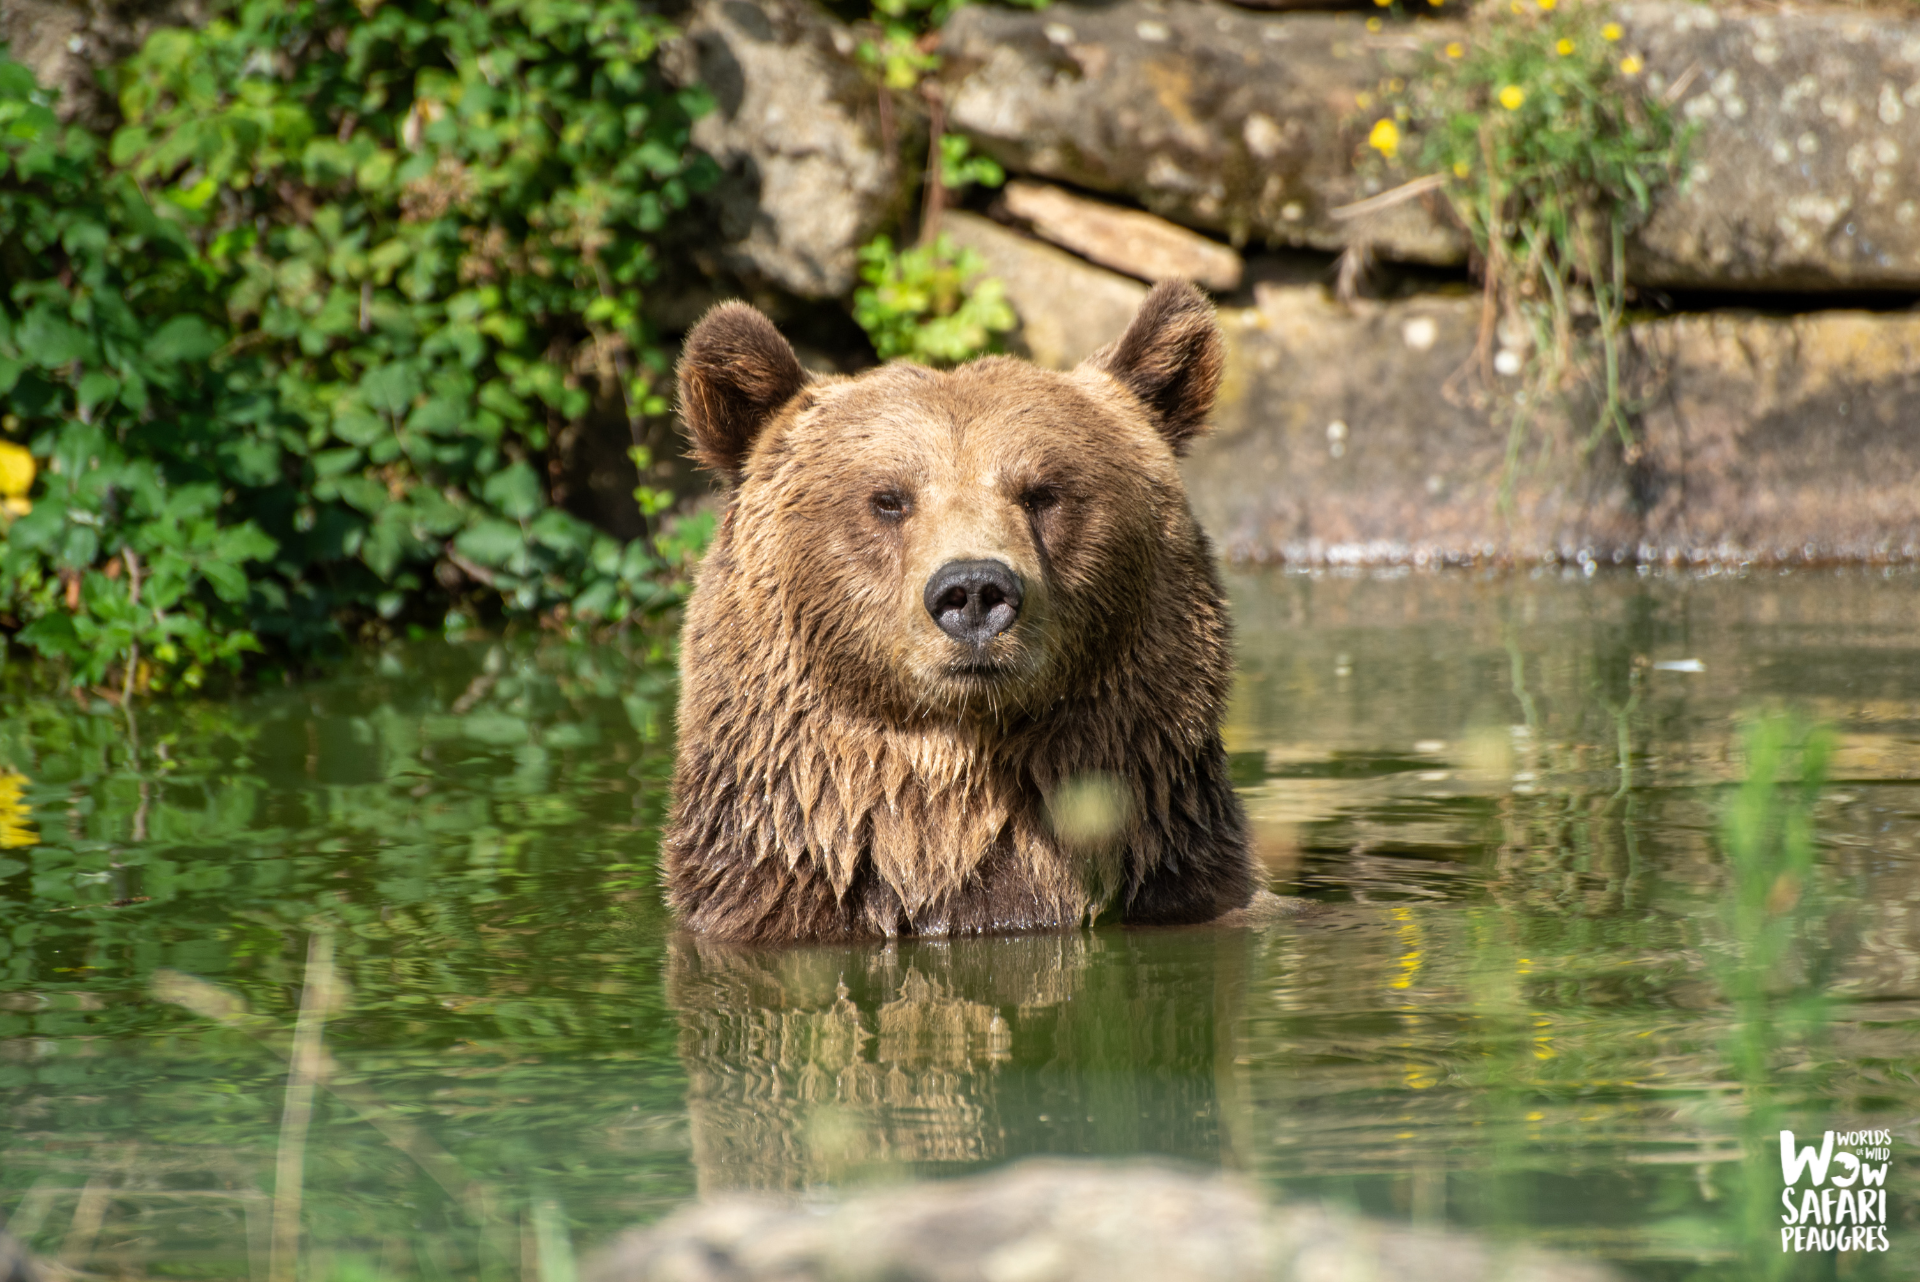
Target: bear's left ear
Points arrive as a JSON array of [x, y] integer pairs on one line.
[[735, 371], [1171, 358]]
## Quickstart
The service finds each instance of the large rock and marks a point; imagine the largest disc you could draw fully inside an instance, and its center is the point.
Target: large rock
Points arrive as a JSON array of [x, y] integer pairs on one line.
[[1806, 170], [67, 43], [1124, 239], [808, 173], [1052, 1221], [1376, 437], [1805, 173], [1068, 308], [1211, 117], [1783, 439]]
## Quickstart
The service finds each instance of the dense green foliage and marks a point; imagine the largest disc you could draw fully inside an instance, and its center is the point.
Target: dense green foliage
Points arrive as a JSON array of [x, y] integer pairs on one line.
[[108, 322], [305, 350]]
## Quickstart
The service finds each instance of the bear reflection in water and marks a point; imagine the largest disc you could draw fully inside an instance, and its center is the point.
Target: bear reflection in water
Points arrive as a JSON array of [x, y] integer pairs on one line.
[[812, 1066]]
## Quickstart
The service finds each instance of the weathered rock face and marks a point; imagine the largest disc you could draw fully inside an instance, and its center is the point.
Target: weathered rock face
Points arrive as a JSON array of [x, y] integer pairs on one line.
[[1062, 1222], [1068, 308], [63, 41], [1805, 170], [809, 174], [1784, 439], [1356, 438], [1212, 117]]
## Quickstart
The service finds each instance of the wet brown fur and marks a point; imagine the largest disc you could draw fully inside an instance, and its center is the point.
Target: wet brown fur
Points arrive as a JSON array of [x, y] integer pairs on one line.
[[840, 775]]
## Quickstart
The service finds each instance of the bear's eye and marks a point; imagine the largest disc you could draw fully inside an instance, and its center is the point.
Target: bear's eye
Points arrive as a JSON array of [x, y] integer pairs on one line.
[[889, 505], [1039, 498]]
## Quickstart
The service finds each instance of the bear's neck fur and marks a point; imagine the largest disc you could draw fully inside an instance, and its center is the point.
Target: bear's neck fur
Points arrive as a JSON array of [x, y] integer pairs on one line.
[[800, 818]]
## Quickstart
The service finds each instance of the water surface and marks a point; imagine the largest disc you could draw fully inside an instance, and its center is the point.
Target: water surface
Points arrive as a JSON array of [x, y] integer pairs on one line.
[[1524, 1003]]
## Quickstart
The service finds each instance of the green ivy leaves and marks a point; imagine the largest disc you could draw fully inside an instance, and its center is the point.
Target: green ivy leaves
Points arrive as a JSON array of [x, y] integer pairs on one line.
[[355, 270]]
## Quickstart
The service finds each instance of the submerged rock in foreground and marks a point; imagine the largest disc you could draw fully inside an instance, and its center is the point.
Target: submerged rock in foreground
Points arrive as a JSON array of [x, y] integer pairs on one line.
[[1055, 1221]]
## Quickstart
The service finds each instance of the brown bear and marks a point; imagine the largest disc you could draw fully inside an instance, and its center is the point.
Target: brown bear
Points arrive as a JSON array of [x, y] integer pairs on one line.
[[957, 658]]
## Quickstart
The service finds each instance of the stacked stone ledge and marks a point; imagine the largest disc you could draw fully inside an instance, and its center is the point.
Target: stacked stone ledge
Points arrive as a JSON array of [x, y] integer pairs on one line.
[[1805, 160]]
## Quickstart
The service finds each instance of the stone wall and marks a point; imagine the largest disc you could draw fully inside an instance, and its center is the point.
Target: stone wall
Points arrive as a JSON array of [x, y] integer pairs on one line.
[[1806, 151], [1785, 429]]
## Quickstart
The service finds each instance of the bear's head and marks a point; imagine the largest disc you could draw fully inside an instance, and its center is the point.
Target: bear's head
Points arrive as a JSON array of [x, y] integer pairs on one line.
[[974, 545], [957, 658]]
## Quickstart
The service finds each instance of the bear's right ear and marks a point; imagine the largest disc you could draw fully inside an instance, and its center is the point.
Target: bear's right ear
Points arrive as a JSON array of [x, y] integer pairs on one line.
[[734, 372]]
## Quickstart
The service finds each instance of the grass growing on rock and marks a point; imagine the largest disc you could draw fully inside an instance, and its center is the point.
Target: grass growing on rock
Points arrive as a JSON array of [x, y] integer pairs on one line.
[[1552, 154]]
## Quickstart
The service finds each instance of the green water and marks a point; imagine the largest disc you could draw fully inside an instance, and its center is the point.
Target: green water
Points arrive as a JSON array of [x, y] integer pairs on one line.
[[1524, 1004]]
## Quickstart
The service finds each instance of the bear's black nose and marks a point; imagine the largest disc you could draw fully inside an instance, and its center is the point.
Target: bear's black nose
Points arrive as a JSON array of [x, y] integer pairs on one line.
[[974, 601]]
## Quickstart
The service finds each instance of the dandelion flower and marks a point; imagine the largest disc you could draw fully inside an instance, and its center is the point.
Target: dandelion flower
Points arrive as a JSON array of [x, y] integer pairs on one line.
[[1564, 47], [1456, 50], [1385, 138], [1461, 169], [1631, 65], [1611, 31], [1373, 24], [1546, 6], [1513, 95]]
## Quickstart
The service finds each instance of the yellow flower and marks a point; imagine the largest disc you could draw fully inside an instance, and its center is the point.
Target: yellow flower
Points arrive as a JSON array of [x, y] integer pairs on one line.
[[1631, 65], [1461, 169], [1363, 100], [1611, 31], [1564, 47], [15, 831], [1373, 24], [1385, 138], [1512, 96], [16, 469], [1456, 50], [1546, 6]]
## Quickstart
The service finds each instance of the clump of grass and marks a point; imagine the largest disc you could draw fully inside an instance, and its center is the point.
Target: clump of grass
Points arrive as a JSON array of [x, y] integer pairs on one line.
[[1551, 152], [1767, 830]]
